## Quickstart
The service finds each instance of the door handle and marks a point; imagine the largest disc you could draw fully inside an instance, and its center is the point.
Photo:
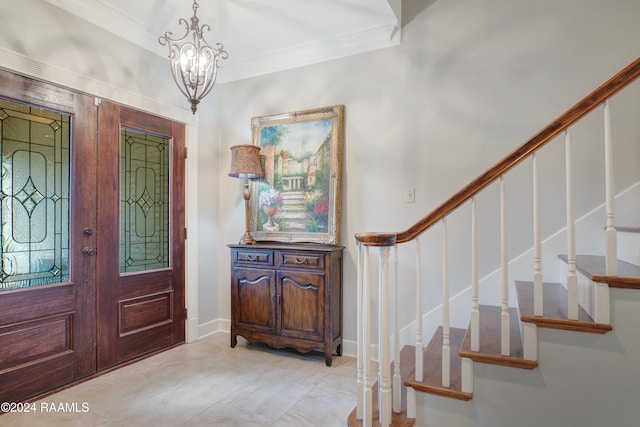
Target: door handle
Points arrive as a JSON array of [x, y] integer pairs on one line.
[[89, 251]]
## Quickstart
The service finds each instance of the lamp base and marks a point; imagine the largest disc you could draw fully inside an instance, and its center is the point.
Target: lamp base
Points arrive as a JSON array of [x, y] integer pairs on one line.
[[247, 239]]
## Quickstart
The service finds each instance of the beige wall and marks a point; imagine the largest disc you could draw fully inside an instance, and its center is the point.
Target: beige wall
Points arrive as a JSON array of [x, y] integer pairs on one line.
[[470, 81]]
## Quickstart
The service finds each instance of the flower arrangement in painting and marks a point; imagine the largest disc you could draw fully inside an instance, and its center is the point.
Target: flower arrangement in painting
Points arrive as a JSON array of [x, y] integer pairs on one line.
[[269, 197]]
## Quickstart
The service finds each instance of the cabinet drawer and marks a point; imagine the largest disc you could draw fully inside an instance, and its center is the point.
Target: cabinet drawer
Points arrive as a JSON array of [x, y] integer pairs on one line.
[[253, 257], [304, 260]]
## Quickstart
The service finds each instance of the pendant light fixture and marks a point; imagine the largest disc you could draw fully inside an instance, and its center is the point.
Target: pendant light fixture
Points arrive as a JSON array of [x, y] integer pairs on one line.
[[194, 63]]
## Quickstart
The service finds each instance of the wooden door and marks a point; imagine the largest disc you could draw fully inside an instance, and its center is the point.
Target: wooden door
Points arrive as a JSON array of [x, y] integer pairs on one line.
[[253, 299], [47, 278], [301, 305], [140, 247]]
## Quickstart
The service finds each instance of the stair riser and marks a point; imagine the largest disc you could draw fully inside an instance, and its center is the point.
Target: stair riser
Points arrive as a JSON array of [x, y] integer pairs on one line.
[[629, 247], [593, 297]]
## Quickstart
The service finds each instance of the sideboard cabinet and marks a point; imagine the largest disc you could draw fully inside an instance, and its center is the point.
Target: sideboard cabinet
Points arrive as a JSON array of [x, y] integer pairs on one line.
[[288, 295]]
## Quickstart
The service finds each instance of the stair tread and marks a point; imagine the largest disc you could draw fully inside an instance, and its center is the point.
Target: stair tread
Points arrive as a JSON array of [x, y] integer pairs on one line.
[[555, 312], [594, 267], [628, 229], [490, 340], [432, 381], [407, 363]]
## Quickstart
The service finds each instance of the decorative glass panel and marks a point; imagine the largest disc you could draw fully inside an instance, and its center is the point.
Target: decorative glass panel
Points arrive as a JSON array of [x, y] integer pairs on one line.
[[144, 202], [34, 194]]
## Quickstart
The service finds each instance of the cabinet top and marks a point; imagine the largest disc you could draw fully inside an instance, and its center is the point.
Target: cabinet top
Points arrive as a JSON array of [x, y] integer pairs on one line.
[[288, 246]]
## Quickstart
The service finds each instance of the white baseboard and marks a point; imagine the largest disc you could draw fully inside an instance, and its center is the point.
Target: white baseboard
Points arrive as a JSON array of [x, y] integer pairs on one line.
[[213, 326]]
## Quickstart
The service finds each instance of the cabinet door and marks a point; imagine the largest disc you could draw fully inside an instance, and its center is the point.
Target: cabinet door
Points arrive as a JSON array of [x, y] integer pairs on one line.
[[301, 305], [253, 298]]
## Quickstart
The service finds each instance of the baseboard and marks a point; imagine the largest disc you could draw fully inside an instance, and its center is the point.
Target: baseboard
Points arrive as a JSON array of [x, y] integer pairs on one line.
[[213, 326]]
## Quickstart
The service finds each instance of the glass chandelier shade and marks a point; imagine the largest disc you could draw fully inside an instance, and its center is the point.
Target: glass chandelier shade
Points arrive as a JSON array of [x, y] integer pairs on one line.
[[194, 63]]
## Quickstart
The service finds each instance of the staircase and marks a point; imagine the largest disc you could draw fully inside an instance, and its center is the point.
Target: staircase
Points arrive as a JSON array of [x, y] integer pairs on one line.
[[497, 333]]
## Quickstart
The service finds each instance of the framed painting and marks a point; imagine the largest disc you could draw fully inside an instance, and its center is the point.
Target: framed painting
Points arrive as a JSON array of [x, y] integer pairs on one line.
[[299, 198]]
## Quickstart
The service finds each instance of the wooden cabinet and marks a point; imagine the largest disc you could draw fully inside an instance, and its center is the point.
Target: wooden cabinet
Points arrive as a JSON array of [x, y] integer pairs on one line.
[[288, 295]]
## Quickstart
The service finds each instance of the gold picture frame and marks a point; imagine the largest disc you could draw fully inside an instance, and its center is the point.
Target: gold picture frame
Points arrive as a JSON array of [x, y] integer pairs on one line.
[[299, 199]]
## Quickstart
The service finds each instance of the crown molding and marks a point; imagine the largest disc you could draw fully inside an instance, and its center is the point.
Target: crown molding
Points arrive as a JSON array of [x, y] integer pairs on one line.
[[311, 53], [104, 16]]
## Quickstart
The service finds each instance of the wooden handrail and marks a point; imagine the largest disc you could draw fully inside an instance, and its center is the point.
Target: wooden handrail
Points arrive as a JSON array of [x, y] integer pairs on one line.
[[572, 115]]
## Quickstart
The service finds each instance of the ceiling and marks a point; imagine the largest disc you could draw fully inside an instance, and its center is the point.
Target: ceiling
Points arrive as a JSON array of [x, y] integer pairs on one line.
[[261, 36]]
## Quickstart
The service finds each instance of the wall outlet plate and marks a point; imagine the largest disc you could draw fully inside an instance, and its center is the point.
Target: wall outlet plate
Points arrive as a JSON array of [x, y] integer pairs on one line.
[[410, 195]]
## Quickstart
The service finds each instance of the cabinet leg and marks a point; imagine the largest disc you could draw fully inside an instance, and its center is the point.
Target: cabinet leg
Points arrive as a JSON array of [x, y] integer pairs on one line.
[[328, 358], [234, 340]]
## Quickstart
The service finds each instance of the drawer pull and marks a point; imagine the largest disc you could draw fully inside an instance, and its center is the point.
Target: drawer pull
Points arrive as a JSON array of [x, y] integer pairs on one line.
[[301, 261], [252, 258]]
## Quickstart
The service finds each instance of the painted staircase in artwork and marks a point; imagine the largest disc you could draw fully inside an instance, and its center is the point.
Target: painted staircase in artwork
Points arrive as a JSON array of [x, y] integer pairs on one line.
[[497, 334]]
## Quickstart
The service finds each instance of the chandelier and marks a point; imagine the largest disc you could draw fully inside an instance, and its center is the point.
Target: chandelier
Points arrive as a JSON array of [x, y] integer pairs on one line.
[[194, 64]]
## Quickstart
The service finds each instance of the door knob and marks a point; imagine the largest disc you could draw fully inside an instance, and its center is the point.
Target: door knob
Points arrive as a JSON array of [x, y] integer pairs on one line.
[[89, 251]]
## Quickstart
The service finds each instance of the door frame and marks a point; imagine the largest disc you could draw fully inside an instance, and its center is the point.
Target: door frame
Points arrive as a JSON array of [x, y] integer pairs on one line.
[[25, 66]]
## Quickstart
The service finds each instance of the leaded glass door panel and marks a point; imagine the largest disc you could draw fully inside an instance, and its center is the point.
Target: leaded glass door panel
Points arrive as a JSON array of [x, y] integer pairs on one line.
[[141, 244], [47, 199]]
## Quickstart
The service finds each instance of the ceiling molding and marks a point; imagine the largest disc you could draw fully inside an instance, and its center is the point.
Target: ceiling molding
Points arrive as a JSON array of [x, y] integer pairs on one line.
[[118, 22], [310, 53], [114, 21]]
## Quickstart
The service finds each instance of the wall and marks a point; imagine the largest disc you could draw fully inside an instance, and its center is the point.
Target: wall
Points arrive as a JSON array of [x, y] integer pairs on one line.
[[471, 81], [83, 56]]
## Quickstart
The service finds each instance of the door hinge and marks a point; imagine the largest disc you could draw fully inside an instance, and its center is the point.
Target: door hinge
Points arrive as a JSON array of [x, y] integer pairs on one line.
[[186, 316], [185, 233], [185, 152]]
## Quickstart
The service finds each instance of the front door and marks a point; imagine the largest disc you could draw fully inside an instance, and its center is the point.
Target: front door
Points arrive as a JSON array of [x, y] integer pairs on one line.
[[92, 225], [47, 196], [140, 248]]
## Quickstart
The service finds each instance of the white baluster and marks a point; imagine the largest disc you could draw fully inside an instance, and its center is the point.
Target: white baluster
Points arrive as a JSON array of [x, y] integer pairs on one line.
[[538, 298], [505, 344], [419, 343], [572, 278], [397, 379], [367, 406], [610, 230], [359, 337], [419, 367], [475, 309], [446, 345], [384, 385]]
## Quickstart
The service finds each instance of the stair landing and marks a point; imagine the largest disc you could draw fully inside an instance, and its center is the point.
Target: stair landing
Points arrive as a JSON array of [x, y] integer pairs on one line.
[[407, 363]]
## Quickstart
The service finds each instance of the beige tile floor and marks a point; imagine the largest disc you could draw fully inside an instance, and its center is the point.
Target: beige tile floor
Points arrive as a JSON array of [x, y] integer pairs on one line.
[[207, 383]]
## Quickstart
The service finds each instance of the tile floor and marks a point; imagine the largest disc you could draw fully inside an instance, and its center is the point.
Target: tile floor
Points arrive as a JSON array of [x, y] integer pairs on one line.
[[207, 383]]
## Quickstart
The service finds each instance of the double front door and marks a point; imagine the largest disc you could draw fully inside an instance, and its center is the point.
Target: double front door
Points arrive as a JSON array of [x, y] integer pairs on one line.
[[92, 255]]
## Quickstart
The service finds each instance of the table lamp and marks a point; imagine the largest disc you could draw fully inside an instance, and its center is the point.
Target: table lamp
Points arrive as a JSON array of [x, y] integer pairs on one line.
[[245, 163]]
